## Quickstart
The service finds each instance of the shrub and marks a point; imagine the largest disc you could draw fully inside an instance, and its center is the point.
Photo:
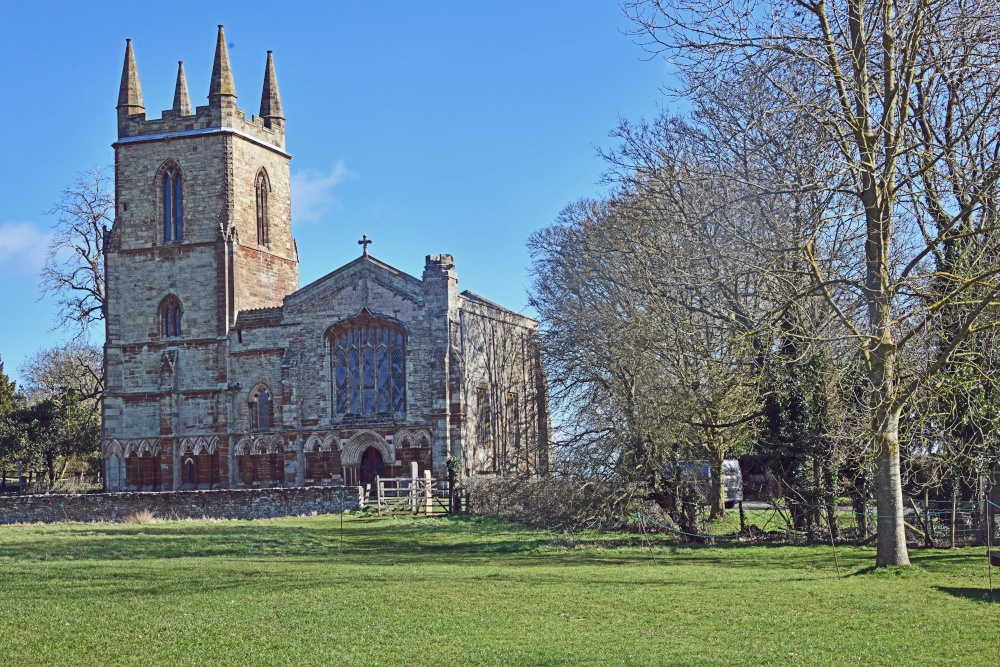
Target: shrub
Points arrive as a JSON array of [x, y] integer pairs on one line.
[[141, 517], [555, 502]]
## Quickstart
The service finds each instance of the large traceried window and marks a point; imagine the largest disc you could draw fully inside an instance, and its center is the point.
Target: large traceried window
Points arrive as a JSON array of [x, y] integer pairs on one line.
[[173, 204], [170, 317], [368, 365], [484, 426], [263, 187]]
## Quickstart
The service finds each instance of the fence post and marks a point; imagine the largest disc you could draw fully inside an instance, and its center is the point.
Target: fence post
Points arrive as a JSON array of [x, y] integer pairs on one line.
[[428, 498], [929, 523], [954, 509], [413, 486], [981, 528], [451, 491]]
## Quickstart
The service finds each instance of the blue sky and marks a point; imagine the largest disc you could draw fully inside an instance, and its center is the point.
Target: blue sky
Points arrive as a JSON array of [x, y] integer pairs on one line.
[[456, 127]]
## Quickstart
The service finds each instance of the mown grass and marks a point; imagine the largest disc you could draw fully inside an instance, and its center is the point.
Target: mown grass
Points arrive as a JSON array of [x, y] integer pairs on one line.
[[470, 591]]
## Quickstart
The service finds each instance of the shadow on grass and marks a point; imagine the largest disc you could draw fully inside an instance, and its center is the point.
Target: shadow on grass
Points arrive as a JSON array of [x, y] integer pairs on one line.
[[372, 540], [975, 594], [365, 541]]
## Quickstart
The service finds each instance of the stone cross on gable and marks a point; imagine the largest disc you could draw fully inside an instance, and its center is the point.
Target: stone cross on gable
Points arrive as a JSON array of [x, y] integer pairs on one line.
[[364, 242]]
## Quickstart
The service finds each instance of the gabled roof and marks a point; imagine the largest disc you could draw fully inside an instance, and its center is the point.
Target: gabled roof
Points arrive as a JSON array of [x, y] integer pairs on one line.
[[346, 274]]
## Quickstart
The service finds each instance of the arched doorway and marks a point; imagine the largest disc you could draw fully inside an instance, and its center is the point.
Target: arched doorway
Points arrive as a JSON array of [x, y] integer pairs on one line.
[[372, 466]]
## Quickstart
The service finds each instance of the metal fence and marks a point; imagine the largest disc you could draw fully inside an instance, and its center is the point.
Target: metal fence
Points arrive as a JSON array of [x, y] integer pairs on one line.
[[930, 524], [35, 483]]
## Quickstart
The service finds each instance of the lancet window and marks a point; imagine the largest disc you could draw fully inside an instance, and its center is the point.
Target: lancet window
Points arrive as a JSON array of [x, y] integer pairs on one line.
[[173, 204], [261, 409], [368, 355], [263, 187], [170, 317]]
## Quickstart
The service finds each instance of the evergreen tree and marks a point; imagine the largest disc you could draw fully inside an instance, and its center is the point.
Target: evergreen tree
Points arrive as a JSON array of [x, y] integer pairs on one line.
[[7, 390]]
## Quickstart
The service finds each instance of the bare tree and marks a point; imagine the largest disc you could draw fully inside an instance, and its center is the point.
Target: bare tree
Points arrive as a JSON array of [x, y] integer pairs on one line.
[[74, 269], [880, 81], [601, 360], [75, 367], [751, 241], [652, 325]]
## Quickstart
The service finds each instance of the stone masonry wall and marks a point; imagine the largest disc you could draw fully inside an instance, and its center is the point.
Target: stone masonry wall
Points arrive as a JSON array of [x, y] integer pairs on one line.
[[220, 504]]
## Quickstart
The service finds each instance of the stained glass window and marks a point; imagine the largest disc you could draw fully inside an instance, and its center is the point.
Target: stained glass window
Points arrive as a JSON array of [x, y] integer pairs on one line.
[[369, 371]]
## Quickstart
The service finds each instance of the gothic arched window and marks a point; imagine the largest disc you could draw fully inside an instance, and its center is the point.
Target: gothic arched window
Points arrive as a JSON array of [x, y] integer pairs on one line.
[[369, 368], [261, 409], [170, 317], [484, 426], [263, 187], [173, 204]]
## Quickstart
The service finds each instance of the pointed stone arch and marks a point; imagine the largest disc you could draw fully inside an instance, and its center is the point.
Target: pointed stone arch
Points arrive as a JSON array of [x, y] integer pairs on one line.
[[267, 444], [402, 438], [142, 464], [139, 447], [423, 439], [332, 443], [412, 437], [200, 445], [321, 459], [113, 447], [314, 443], [243, 447], [199, 462], [361, 441], [114, 465]]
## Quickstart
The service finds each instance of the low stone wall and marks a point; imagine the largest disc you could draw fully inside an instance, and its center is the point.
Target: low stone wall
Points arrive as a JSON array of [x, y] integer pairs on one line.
[[219, 504]]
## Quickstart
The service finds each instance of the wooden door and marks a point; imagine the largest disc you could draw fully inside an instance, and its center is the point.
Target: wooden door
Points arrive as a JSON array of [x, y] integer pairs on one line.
[[372, 466]]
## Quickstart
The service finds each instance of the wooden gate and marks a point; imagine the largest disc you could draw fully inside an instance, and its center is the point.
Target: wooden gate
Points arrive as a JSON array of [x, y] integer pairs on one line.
[[411, 495]]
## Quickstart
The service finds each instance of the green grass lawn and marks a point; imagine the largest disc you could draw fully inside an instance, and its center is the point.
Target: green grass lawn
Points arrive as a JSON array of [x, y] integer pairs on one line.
[[453, 591]]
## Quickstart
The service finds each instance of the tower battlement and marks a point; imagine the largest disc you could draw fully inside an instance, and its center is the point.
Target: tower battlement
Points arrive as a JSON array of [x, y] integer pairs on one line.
[[205, 118], [220, 114]]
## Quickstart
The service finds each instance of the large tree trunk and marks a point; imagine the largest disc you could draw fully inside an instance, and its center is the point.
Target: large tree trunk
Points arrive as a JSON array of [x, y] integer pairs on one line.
[[877, 195], [891, 544], [50, 468]]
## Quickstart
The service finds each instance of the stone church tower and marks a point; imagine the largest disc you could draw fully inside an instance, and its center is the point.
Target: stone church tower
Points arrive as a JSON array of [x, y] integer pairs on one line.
[[222, 372]]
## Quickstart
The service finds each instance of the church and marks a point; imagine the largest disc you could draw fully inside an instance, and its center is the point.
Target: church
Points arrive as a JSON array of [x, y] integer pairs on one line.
[[221, 372]]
